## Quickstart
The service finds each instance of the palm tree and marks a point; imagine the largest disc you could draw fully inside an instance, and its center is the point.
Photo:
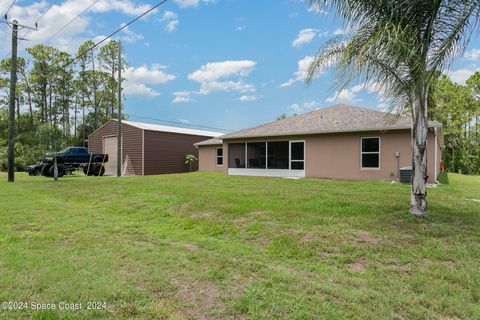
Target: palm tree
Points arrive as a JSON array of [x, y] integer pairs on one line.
[[400, 45], [190, 159]]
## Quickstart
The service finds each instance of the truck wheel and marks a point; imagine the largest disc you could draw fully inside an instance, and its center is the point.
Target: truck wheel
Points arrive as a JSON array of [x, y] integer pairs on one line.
[[102, 171], [95, 170], [60, 168], [46, 170], [91, 172]]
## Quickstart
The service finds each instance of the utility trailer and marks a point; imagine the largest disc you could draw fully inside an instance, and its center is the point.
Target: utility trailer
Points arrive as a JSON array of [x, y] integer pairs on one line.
[[69, 160]]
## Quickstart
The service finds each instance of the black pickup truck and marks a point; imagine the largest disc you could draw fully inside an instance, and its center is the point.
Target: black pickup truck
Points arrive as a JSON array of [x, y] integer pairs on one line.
[[77, 155], [69, 160]]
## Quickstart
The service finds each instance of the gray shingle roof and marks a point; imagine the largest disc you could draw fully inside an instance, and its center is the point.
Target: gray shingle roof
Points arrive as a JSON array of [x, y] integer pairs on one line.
[[337, 118]]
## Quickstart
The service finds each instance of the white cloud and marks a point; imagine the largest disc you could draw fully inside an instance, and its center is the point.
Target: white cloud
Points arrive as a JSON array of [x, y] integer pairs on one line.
[[339, 31], [460, 76], [124, 6], [182, 97], [240, 24], [59, 15], [473, 54], [346, 95], [184, 4], [316, 8], [216, 76], [247, 98], [350, 95], [171, 20], [130, 36], [215, 70], [213, 86], [301, 73], [305, 36], [137, 79], [306, 106]]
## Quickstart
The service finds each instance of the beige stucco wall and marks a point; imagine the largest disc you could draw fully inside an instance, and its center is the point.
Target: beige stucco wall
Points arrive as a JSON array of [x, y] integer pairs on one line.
[[337, 156], [207, 159]]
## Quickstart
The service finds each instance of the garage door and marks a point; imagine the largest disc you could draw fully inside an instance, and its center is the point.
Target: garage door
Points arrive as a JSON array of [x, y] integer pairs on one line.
[[110, 148]]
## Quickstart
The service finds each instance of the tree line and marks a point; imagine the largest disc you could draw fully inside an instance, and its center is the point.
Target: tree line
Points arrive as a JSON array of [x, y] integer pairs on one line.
[[58, 102], [457, 107]]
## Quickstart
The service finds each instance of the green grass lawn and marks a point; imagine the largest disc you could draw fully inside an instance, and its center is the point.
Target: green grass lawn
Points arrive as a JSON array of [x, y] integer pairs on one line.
[[203, 246]]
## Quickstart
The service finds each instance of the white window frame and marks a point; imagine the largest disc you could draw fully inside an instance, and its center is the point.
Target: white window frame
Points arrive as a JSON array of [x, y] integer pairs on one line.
[[290, 160], [379, 153], [217, 156]]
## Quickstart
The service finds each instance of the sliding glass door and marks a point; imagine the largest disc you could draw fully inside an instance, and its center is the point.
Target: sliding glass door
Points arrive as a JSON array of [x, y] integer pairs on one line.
[[276, 158]]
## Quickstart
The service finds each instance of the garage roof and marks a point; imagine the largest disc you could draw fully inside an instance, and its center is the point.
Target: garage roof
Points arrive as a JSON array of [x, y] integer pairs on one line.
[[162, 128]]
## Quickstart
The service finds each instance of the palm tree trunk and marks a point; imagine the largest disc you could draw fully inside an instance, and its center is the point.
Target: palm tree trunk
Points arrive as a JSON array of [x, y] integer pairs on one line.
[[418, 205]]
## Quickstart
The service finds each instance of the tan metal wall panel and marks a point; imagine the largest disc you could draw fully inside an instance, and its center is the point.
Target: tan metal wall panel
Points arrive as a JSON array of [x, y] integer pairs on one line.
[[165, 152], [132, 142]]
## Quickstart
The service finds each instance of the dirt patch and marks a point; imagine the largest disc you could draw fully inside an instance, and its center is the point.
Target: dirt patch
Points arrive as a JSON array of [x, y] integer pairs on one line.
[[200, 299], [365, 237], [185, 245], [329, 253], [191, 247], [402, 269], [198, 215], [362, 239], [28, 228], [357, 266], [256, 213], [262, 241], [308, 237]]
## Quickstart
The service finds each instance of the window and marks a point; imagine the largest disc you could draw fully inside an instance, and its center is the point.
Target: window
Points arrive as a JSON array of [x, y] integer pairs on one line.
[[219, 156], [297, 155], [370, 153], [277, 154], [236, 155], [256, 155]]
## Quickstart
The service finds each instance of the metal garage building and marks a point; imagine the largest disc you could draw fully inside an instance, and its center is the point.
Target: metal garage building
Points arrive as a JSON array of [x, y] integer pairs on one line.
[[147, 149]]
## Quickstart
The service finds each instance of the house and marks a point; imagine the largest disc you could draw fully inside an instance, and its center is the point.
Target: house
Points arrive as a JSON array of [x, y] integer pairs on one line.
[[337, 142], [147, 149]]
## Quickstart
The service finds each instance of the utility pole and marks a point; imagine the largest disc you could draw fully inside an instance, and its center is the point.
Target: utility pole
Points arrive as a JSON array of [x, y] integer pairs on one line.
[[12, 98], [11, 107], [119, 132]]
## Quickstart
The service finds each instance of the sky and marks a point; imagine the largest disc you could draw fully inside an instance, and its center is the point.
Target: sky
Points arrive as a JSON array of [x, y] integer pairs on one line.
[[226, 64]]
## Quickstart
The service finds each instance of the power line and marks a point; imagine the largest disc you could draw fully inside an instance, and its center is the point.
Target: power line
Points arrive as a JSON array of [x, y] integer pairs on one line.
[[182, 123], [30, 30], [41, 16], [117, 31], [8, 10], [71, 21], [111, 34]]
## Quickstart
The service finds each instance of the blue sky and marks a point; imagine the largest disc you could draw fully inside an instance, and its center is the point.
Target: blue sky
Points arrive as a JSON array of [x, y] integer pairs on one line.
[[219, 63]]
